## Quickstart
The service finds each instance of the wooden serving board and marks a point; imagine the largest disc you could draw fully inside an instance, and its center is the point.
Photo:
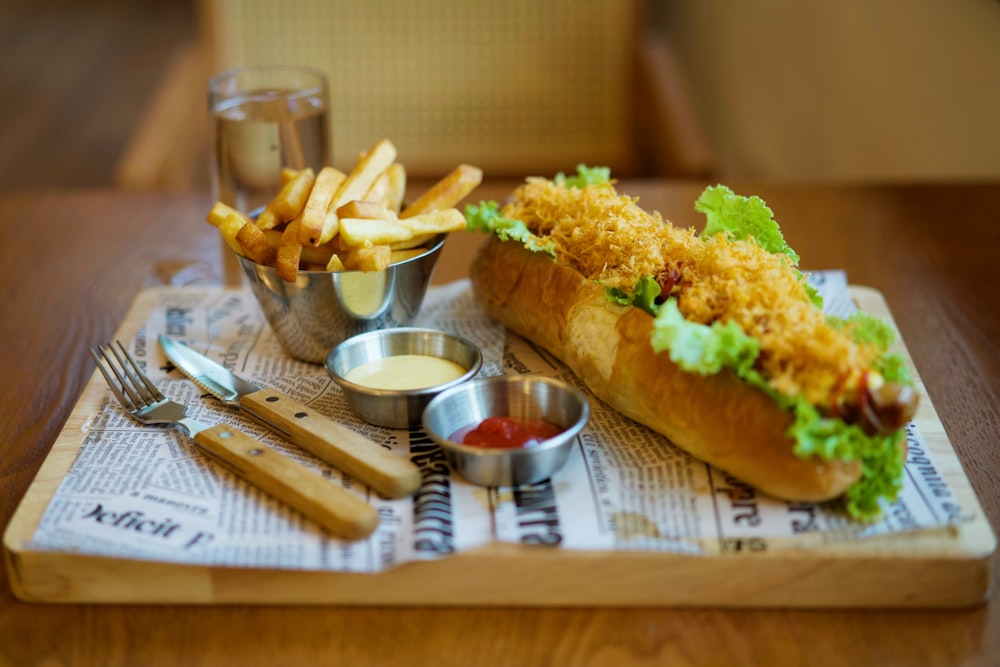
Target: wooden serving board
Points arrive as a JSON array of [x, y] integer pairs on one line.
[[945, 568]]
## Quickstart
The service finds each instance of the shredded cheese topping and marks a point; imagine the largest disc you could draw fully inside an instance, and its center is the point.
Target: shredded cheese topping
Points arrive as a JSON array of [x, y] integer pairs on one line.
[[604, 236], [608, 238]]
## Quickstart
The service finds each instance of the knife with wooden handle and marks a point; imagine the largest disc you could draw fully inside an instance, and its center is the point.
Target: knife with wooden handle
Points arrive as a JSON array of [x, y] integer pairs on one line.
[[331, 506], [364, 459]]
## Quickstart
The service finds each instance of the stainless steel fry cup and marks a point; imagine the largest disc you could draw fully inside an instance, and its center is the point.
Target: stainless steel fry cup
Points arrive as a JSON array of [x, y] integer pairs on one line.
[[401, 408], [524, 396], [321, 309]]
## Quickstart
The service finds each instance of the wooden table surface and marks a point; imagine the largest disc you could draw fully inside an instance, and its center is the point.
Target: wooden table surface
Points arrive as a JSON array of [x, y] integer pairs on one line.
[[71, 262]]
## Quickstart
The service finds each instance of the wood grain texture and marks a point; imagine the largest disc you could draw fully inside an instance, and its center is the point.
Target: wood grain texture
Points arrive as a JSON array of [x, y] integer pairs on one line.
[[929, 249], [334, 508], [78, 79], [330, 441]]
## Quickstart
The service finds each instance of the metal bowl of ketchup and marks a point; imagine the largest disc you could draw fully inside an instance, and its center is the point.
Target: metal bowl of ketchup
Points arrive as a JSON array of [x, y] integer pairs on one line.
[[388, 376], [507, 430]]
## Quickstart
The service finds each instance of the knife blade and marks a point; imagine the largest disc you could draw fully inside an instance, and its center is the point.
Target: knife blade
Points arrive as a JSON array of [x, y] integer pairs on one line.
[[328, 440]]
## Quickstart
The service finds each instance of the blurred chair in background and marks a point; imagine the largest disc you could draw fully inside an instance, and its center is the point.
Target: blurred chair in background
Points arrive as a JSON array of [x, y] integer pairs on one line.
[[524, 87]]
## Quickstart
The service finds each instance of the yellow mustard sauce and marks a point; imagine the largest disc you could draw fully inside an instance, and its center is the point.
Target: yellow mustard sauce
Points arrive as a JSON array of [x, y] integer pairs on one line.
[[405, 371]]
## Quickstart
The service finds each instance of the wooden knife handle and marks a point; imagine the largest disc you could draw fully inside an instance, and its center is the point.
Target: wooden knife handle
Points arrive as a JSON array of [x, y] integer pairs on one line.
[[348, 451], [331, 506]]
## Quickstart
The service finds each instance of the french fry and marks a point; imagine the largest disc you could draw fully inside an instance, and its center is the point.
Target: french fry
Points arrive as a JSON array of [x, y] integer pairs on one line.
[[356, 232], [397, 186], [319, 255], [230, 227], [267, 218], [434, 222], [419, 240], [308, 255], [273, 236], [368, 168], [289, 253], [380, 191], [368, 258], [344, 222], [291, 199], [397, 256], [365, 209], [254, 244], [335, 264], [447, 192], [317, 204], [218, 213], [340, 244], [331, 227], [354, 186]]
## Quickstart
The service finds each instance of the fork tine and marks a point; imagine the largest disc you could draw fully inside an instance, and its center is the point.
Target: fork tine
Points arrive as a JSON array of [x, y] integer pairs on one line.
[[146, 391], [111, 375], [129, 384]]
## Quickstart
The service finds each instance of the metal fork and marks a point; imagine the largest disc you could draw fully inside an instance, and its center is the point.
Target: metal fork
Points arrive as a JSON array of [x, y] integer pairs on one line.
[[334, 508]]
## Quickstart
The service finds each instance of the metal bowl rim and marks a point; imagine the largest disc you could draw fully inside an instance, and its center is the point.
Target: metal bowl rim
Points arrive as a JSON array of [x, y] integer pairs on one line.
[[436, 243], [555, 442], [349, 386]]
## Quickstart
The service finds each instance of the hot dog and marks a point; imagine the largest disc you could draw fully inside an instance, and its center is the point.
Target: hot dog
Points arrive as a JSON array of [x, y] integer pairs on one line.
[[714, 339]]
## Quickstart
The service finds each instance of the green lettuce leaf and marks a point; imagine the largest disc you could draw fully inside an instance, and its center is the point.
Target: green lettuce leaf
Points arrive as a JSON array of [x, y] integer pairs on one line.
[[739, 218], [865, 328], [644, 296], [893, 367], [700, 348], [832, 439], [811, 292], [486, 218], [584, 176]]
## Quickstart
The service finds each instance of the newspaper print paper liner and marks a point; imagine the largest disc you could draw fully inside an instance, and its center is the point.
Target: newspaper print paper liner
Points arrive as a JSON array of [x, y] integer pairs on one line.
[[147, 493]]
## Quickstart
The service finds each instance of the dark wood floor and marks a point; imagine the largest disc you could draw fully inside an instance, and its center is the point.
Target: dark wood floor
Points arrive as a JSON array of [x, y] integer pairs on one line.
[[75, 78]]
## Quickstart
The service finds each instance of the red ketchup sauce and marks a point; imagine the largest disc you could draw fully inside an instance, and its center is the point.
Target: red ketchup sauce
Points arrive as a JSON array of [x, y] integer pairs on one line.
[[506, 432]]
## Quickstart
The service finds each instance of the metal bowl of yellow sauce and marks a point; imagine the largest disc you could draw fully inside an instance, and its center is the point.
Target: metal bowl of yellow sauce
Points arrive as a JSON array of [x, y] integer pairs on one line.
[[390, 375]]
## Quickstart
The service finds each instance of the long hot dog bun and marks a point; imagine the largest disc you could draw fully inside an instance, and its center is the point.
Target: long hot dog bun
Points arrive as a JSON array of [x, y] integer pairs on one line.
[[717, 418]]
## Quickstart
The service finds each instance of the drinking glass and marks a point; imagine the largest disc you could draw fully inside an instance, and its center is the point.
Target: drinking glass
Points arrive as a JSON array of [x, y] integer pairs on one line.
[[264, 118]]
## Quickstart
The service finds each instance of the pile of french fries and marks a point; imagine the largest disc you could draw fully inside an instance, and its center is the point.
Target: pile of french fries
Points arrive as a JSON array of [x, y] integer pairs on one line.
[[332, 221]]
